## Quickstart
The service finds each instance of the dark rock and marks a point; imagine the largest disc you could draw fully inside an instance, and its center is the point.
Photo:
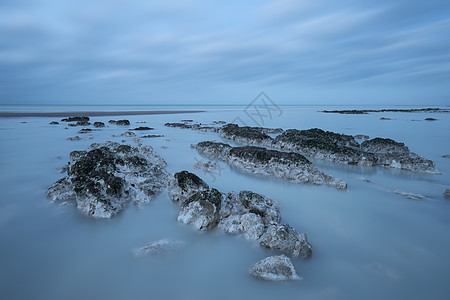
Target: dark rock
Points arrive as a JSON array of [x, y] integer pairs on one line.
[[447, 193], [99, 124], [54, 123], [85, 130], [119, 122], [75, 138], [430, 119], [143, 128], [152, 136], [107, 177], [75, 119], [83, 123], [383, 118]]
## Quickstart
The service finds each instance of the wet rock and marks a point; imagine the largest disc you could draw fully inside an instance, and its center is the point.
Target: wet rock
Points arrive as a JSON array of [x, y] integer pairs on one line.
[[285, 239], [250, 225], [250, 135], [287, 165], [75, 119], [274, 268], [128, 134], [201, 210], [361, 137], [109, 176], [447, 193], [83, 123], [430, 119], [159, 249], [75, 138], [152, 136], [119, 122], [409, 195], [54, 123], [99, 124], [143, 128], [85, 130], [184, 184]]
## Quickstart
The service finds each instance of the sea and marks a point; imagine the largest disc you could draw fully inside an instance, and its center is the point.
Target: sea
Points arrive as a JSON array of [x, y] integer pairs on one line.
[[369, 242]]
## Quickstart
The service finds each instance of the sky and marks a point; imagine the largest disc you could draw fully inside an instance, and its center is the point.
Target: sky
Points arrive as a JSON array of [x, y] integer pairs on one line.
[[224, 52]]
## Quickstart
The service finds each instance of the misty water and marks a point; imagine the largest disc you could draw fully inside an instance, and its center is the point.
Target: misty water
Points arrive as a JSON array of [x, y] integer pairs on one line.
[[368, 242]]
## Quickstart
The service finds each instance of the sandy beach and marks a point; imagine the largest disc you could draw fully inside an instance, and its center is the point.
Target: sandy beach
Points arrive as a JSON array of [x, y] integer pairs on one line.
[[93, 113]]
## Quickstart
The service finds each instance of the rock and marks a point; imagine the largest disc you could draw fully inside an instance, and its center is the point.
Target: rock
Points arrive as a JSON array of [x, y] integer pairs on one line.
[[85, 130], [267, 208], [152, 136], [219, 122], [143, 128], [206, 166], [390, 153], [72, 124], [187, 121], [159, 249], [365, 179], [109, 176], [99, 124], [75, 138], [250, 135], [54, 123], [447, 193], [83, 123], [257, 160], [430, 119], [285, 239], [274, 268], [119, 122], [446, 156], [128, 134], [201, 210], [184, 184], [76, 119], [198, 127], [361, 137], [250, 225], [383, 118], [409, 195]]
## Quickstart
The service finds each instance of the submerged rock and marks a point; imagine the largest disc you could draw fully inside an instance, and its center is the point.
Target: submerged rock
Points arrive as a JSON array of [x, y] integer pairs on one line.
[[409, 195], [128, 134], [119, 122], [274, 268], [85, 130], [206, 166], [109, 176], [83, 123], [287, 165], [248, 214], [152, 136], [99, 124], [159, 249], [76, 119], [446, 156], [75, 138], [447, 193]]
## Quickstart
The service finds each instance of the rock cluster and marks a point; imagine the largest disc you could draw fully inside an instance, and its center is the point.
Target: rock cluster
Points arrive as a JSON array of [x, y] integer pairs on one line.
[[325, 145], [246, 213], [106, 178], [287, 165]]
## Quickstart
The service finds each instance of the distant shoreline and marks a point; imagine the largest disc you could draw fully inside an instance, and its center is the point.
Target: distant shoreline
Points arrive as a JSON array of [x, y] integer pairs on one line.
[[94, 113]]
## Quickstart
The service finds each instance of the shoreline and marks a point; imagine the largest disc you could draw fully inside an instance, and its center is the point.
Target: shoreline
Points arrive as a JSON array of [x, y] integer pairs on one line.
[[94, 113]]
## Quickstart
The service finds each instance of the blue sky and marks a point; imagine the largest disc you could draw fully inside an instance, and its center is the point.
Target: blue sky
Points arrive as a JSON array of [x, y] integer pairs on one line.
[[195, 52]]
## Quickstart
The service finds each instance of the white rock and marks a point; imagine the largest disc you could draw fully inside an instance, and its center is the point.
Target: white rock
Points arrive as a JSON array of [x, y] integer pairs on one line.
[[275, 268]]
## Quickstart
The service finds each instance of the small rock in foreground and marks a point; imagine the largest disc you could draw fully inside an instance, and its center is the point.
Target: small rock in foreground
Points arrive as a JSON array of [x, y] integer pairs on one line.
[[161, 248], [275, 268]]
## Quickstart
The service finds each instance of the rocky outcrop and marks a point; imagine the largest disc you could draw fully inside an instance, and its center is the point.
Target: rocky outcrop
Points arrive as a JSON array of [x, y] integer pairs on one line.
[[274, 268], [159, 249], [287, 165], [76, 119], [104, 179], [247, 214], [99, 124], [326, 145], [119, 122]]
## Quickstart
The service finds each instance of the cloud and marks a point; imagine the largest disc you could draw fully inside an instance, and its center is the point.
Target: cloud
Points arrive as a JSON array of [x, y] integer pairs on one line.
[[64, 49]]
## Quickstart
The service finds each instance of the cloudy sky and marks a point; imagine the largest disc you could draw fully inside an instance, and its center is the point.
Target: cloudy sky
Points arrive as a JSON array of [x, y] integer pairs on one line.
[[195, 52]]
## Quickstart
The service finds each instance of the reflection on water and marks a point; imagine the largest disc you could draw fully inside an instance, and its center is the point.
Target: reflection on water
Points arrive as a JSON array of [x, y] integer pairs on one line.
[[369, 243]]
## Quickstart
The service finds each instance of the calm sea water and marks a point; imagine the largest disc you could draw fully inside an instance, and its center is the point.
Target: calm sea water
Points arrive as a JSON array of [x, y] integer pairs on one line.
[[369, 243]]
